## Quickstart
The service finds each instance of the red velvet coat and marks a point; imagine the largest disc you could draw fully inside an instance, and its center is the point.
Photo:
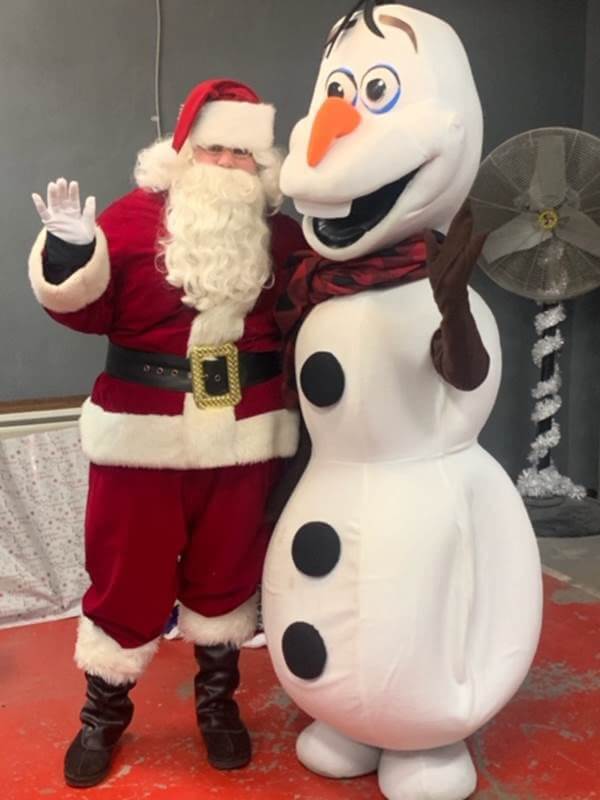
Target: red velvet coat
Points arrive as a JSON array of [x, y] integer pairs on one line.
[[121, 293]]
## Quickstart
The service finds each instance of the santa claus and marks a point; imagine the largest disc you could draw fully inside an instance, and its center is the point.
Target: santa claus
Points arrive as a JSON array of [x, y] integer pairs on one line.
[[185, 429]]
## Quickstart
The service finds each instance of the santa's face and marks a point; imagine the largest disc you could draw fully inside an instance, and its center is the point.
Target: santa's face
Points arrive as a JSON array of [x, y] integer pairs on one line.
[[226, 157], [392, 139]]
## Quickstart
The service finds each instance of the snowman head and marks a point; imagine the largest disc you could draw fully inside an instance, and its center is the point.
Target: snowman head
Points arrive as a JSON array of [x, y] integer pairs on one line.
[[392, 140]]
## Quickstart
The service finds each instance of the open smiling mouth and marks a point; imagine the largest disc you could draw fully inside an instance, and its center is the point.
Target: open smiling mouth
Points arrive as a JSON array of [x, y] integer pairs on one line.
[[366, 212]]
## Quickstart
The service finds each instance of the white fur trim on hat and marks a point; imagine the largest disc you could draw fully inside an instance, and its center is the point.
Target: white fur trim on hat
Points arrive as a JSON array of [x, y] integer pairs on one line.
[[99, 654], [79, 290], [233, 123], [235, 627]]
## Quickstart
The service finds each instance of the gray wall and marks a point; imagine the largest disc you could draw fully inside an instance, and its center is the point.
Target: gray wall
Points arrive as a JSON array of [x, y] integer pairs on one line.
[[582, 421], [76, 90], [591, 97]]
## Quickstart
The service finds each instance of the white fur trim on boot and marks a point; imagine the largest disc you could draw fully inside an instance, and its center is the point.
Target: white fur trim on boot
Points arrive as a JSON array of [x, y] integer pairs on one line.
[[446, 773], [83, 287], [97, 653], [235, 627], [327, 752]]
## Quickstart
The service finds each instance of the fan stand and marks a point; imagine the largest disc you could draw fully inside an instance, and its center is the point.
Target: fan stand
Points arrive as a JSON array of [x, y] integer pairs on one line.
[[557, 506]]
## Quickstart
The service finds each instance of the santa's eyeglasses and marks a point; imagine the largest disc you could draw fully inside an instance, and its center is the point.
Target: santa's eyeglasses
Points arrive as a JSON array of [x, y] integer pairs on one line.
[[219, 149]]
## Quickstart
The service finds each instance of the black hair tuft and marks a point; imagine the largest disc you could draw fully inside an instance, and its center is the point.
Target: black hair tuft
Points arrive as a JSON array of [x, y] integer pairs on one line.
[[368, 8]]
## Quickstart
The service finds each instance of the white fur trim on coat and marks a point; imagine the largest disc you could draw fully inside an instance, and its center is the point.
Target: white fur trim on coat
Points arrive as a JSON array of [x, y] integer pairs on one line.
[[82, 288], [197, 438], [233, 123], [235, 627], [99, 654]]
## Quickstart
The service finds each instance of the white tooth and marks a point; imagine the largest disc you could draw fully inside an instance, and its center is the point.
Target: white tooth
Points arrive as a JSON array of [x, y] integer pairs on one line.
[[323, 210]]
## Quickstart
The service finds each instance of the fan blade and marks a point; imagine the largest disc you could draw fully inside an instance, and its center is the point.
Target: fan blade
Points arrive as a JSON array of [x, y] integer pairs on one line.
[[578, 229], [549, 184], [521, 233]]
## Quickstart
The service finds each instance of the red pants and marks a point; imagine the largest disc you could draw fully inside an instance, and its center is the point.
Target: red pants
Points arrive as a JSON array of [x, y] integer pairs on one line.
[[153, 536]]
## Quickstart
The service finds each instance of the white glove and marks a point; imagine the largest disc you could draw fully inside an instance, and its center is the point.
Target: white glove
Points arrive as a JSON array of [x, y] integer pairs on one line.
[[62, 215]]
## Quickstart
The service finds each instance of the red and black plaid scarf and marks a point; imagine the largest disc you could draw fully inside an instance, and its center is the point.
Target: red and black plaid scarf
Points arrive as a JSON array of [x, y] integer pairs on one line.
[[316, 279]]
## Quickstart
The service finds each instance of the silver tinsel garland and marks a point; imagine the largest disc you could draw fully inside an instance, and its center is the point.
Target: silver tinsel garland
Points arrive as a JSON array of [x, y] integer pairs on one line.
[[546, 408], [547, 482], [549, 318], [543, 347], [543, 443], [551, 386]]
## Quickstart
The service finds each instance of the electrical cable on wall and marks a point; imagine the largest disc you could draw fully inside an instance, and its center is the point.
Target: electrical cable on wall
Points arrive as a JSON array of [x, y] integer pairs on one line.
[[156, 117]]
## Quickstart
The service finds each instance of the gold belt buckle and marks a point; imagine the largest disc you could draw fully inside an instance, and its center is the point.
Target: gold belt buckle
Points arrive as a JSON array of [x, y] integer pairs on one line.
[[201, 353]]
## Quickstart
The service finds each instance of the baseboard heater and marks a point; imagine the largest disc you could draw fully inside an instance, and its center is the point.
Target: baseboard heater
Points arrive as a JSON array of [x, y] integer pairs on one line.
[[21, 423]]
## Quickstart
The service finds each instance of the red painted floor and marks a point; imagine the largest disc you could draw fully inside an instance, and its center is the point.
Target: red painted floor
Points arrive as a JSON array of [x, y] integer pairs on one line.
[[545, 745]]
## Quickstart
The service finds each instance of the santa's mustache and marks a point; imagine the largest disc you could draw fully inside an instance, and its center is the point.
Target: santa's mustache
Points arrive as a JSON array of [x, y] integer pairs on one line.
[[220, 184]]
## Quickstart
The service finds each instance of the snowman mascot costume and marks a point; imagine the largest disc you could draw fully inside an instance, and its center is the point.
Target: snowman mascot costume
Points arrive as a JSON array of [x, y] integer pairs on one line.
[[402, 589]]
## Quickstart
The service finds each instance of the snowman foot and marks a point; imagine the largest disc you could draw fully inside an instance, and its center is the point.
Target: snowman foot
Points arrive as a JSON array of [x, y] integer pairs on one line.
[[327, 752], [446, 773]]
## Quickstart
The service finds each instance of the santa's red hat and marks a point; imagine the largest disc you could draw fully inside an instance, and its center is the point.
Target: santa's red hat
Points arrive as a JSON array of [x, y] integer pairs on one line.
[[225, 112]]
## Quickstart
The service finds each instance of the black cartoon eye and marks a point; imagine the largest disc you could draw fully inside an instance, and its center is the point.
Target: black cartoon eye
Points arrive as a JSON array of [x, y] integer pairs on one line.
[[380, 89], [341, 83]]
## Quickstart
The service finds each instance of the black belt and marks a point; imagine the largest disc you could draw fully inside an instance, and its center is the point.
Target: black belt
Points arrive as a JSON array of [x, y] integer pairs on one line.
[[215, 375]]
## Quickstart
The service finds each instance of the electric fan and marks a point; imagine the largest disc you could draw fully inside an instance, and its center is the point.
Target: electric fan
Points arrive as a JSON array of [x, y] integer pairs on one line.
[[539, 196]]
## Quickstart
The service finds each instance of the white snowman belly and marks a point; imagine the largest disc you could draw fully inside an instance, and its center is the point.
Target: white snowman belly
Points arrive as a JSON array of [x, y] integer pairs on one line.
[[402, 587], [389, 642]]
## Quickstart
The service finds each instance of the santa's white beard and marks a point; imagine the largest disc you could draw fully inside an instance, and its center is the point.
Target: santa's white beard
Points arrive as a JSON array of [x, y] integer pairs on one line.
[[217, 247]]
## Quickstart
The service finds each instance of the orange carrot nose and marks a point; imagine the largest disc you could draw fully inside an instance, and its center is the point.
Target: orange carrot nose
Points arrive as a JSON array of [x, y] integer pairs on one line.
[[334, 119]]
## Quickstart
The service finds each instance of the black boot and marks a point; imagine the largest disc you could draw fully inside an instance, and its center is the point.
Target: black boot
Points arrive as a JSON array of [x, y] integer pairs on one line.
[[225, 736], [105, 715]]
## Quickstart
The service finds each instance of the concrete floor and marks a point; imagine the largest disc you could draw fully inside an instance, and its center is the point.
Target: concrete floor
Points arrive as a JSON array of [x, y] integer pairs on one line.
[[576, 560]]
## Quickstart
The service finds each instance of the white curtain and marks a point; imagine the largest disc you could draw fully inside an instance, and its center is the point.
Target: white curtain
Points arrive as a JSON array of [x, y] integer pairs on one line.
[[43, 485]]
